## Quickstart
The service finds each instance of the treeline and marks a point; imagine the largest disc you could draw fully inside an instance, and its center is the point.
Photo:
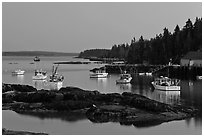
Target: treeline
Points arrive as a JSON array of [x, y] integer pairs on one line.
[[37, 53], [158, 50], [99, 53], [166, 46]]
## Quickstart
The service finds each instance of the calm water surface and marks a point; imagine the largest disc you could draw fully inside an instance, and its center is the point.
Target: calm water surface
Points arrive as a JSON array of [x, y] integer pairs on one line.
[[78, 75]]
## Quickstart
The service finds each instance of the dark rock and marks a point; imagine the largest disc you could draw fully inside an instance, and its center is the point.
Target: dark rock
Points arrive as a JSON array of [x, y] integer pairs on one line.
[[126, 108], [108, 98], [34, 97], [67, 105], [131, 116], [70, 116], [17, 87], [6, 87], [73, 93], [23, 88], [148, 123], [70, 89], [145, 103], [21, 106], [7, 97], [59, 97], [12, 132]]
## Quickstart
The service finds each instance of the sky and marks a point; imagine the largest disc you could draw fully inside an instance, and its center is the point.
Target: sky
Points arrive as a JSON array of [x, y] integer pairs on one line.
[[74, 27]]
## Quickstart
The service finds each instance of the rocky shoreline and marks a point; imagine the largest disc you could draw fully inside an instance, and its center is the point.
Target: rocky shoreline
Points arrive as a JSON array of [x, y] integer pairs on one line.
[[12, 132], [126, 108]]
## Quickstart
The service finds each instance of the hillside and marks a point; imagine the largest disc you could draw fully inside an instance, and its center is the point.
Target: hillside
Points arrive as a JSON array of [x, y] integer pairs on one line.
[[37, 53], [99, 53]]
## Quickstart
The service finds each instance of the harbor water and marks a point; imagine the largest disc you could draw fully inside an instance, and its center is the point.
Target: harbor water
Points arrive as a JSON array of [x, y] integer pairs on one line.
[[77, 75]]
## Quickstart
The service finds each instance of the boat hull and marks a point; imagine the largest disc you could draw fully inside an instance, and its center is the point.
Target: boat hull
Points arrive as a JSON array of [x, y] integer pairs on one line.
[[18, 73], [147, 74], [123, 81], [99, 75], [166, 88], [39, 77], [141, 74], [56, 85]]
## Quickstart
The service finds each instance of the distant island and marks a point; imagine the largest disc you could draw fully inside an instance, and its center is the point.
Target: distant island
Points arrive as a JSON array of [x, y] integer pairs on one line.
[[37, 53]]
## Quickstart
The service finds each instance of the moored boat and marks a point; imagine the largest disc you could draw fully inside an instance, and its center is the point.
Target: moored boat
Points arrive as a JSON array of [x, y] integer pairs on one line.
[[36, 59], [165, 83], [148, 73], [141, 73], [18, 72], [124, 78], [99, 73], [39, 75], [56, 80], [199, 77]]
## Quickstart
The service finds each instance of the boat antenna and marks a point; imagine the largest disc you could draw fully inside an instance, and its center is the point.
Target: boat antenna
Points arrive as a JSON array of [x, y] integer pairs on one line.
[[169, 65], [120, 69], [53, 70], [56, 68]]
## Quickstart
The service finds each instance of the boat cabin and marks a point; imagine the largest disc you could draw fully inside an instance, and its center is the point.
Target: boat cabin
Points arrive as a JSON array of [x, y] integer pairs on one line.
[[125, 76], [165, 81]]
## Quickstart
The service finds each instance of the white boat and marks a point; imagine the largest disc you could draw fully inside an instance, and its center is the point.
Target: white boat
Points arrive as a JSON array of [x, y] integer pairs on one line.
[[18, 72], [99, 74], [36, 59], [148, 73], [39, 75], [145, 73], [142, 73], [165, 83], [56, 80], [198, 77], [124, 79], [56, 85]]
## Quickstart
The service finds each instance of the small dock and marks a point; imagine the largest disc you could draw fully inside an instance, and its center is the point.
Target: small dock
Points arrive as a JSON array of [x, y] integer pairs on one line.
[[177, 71], [131, 68]]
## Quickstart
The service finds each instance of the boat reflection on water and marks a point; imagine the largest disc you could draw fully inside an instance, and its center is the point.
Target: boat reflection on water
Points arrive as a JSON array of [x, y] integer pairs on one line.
[[124, 87], [167, 97], [191, 93], [40, 84], [64, 116], [20, 79], [100, 81], [141, 85]]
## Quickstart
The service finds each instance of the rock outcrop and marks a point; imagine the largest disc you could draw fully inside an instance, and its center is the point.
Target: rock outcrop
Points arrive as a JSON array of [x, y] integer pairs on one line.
[[12, 132], [126, 108]]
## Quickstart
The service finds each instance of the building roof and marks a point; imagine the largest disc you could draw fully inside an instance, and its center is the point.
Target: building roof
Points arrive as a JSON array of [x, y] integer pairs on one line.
[[194, 55]]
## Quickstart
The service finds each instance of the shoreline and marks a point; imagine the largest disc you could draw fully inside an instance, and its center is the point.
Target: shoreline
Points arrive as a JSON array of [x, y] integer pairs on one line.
[[14, 132], [126, 108]]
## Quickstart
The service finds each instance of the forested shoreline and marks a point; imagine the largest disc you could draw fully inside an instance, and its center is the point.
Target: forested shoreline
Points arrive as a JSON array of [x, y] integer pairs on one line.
[[157, 50], [37, 53]]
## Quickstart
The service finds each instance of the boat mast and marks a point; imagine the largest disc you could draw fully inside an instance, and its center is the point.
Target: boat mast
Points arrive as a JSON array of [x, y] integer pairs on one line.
[[120, 69], [169, 66], [53, 70], [56, 69]]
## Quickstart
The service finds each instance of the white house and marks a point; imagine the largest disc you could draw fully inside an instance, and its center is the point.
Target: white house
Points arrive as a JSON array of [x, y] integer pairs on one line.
[[192, 59]]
